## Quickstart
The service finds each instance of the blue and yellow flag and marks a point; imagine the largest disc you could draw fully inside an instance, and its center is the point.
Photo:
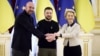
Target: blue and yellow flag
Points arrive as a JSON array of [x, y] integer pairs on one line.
[[41, 5], [12, 3], [85, 16], [6, 16]]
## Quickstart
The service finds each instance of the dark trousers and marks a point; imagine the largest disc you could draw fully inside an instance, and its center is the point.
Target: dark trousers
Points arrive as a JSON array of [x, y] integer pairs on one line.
[[19, 53], [72, 51], [47, 52]]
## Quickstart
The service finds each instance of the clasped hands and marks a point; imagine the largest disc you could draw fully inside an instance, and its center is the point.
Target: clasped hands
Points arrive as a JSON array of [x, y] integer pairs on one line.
[[51, 36]]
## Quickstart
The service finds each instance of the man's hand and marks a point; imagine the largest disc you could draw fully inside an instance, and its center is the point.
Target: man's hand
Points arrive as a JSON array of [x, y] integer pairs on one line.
[[50, 37], [56, 34]]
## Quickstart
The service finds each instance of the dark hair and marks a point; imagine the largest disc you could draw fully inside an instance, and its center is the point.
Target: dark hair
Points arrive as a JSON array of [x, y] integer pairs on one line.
[[48, 8]]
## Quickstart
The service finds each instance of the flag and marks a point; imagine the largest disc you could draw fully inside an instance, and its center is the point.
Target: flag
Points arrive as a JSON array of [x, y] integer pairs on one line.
[[85, 14], [6, 16], [12, 3], [94, 6], [55, 4], [62, 5], [41, 5], [34, 38], [20, 6], [35, 3]]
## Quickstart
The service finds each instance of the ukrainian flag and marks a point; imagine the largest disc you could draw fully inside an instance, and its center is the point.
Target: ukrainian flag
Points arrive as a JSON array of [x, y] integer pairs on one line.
[[85, 15], [6, 16], [41, 5]]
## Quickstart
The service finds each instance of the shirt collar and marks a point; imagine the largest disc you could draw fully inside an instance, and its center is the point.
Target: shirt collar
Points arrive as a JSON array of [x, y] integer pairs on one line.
[[71, 24]]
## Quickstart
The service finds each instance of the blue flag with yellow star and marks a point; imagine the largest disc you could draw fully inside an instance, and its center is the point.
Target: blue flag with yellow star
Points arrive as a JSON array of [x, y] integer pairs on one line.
[[62, 5], [20, 6]]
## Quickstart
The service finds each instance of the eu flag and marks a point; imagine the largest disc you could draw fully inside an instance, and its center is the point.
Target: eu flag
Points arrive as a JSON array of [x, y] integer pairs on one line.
[[54, 3], [20, 6], [62, 5], [12, 3]]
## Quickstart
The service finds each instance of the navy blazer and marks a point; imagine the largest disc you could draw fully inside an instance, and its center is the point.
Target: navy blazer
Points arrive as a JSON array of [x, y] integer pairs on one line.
[[23, 29]]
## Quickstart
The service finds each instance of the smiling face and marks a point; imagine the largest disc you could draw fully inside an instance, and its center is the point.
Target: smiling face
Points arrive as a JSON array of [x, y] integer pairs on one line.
[[29, 8], [70, 17]]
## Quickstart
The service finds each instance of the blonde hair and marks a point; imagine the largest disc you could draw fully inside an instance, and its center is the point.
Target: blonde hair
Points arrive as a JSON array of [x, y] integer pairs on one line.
[[69, 10]]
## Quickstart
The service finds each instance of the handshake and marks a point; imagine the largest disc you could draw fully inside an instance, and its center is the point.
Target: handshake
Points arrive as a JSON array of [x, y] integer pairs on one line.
[[51, 37]]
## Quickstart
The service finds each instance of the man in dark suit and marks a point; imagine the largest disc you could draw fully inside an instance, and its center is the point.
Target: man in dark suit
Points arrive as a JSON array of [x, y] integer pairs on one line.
[[23, 29]]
